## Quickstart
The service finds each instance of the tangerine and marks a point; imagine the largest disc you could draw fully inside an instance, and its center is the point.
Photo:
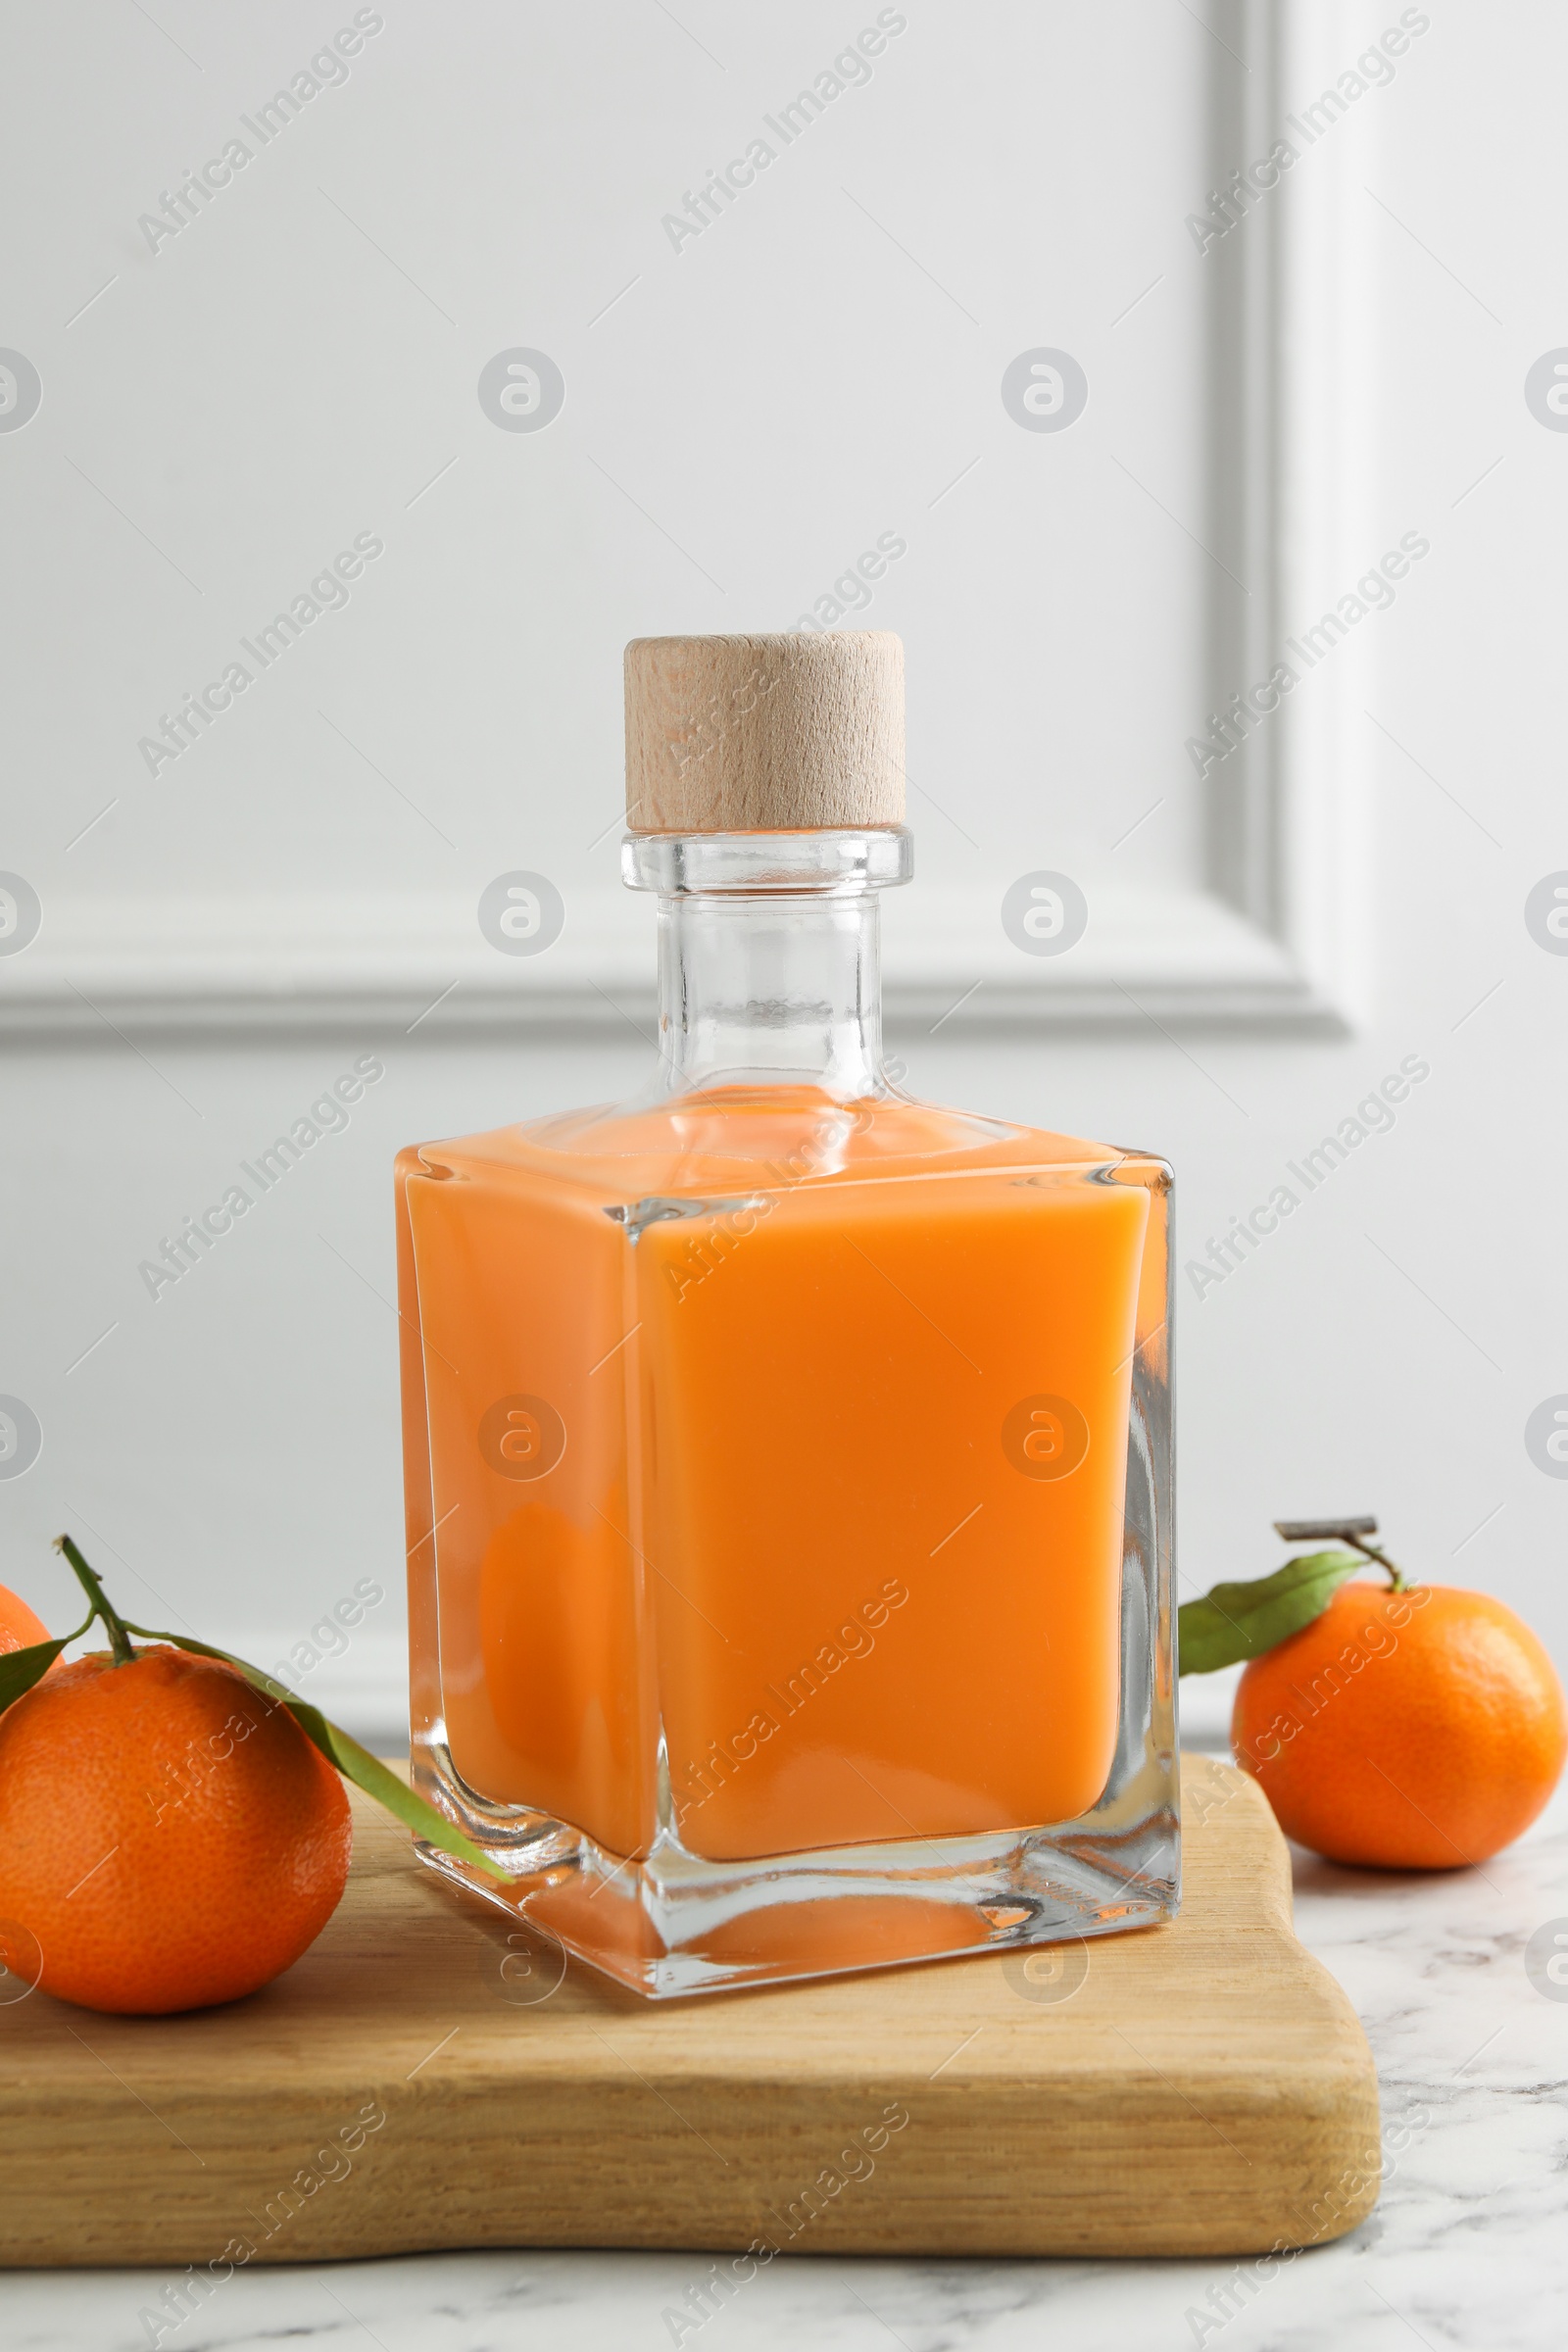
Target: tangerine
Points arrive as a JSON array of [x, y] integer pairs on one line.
[[169, 1836], [20, 1629], [1414, 1729]]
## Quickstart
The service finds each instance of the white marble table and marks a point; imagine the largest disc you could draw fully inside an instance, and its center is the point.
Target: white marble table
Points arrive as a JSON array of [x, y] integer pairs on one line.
[[1468, 2247]]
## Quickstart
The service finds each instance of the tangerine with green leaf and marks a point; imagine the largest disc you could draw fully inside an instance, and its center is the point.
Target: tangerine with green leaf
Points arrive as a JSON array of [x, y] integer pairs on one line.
[[168, 1834], [1414, 1727], [173, 1828]]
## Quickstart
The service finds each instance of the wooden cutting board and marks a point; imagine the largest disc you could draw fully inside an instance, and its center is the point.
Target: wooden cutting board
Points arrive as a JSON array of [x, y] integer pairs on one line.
[[1201, 2088]]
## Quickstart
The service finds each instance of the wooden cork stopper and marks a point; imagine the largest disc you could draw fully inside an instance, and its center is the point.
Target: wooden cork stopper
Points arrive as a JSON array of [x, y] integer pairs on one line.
[[765, 734]]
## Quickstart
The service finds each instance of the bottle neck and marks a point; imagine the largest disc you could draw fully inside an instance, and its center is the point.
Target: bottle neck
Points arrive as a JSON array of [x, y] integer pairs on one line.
[[769, 956], [764, 992]]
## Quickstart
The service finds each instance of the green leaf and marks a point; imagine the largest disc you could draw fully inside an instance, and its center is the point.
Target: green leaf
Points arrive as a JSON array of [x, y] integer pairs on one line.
[[353, 1762], [20, 1669], [1241, 1621]]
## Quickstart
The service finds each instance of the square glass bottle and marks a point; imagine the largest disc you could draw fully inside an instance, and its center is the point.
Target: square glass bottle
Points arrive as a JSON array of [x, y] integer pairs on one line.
[[788, 1462]]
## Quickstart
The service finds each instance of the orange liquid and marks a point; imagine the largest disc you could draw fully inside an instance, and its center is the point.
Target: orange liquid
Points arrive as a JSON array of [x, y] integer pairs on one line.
[[784, 1487]]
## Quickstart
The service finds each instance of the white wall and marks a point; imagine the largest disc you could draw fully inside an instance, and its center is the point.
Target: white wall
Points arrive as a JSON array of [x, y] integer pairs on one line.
[[767, 399]]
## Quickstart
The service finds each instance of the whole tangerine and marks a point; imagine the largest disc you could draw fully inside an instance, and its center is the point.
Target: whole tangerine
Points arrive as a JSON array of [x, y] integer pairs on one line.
[[1420, 1728], [169, 1836]]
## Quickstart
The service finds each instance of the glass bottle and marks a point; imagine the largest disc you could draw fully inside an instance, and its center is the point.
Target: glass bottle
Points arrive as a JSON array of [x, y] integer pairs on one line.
[[788, 1461]]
